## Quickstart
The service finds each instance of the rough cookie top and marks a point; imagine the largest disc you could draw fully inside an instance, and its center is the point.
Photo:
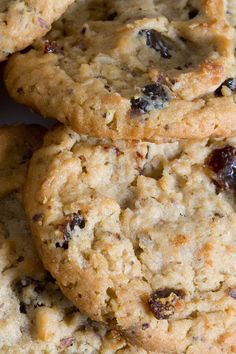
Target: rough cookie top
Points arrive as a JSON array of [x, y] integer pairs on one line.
[[21, 22], [17, 143], [133, 70], [141, 236], [34, 315], [231, 11]]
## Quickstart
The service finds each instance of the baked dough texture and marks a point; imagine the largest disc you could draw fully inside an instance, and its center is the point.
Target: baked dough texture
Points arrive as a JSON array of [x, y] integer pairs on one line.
[[141, 236], [21, 22], [134, 70]]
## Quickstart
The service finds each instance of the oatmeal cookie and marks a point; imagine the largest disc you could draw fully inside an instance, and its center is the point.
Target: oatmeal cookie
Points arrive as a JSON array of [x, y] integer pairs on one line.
[[21, 22], [133, 70], [34, 315], [141, 236]]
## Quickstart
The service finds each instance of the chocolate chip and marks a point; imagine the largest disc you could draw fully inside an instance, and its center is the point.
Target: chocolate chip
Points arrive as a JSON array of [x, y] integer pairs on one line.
[[154, 96], [37, 217], [162, 302], [232, 293], [156, 41], [223, 163], [230, 83]]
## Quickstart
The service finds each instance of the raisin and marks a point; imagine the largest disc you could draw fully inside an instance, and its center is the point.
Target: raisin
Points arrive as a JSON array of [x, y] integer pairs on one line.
[[154, 96], [156, 41], [64, 245], [139, 105], [37, 217], [155, 92], [51, 47], [162, 302], [232, 293], [230, 83], [77, 220], [73, 220], [193, 13], [223, 163], [145, 326]]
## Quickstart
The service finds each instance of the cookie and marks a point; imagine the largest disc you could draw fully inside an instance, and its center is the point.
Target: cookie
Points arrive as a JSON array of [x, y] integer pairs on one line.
[[133, 70], [231, 11], [17, 143], [141, 236], [21, 22], [34, 315]]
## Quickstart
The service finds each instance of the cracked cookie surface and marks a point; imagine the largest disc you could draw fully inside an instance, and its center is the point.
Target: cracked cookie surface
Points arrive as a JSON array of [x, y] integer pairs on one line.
[[134, 233], [21, 22], [133, 70], [34, 315]]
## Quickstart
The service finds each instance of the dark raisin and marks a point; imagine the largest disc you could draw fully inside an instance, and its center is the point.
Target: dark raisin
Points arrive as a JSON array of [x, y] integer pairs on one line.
[[193, 13], [63, 245], [139, 105], [77, 220], [155, 92], [23, 308], [232, 293], [73, 220], [162, 302], [145, 326], [112, 16], [154, 96], [155, 40], [20, 90], [83, 31], [37, 217], [230, 83], [223, 163], [51, 47]]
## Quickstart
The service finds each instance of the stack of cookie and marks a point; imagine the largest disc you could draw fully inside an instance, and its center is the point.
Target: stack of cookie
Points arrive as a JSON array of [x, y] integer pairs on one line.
[[131, 198]]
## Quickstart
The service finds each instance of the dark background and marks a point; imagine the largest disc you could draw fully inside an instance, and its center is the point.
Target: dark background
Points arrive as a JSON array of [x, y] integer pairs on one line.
[[12, 113]]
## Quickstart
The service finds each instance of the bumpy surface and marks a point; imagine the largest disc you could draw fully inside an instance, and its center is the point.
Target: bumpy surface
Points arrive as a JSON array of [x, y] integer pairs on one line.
[[141, 236], [17, 143], [23, 21], [34, 315], [133, 70], [231, 11]]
